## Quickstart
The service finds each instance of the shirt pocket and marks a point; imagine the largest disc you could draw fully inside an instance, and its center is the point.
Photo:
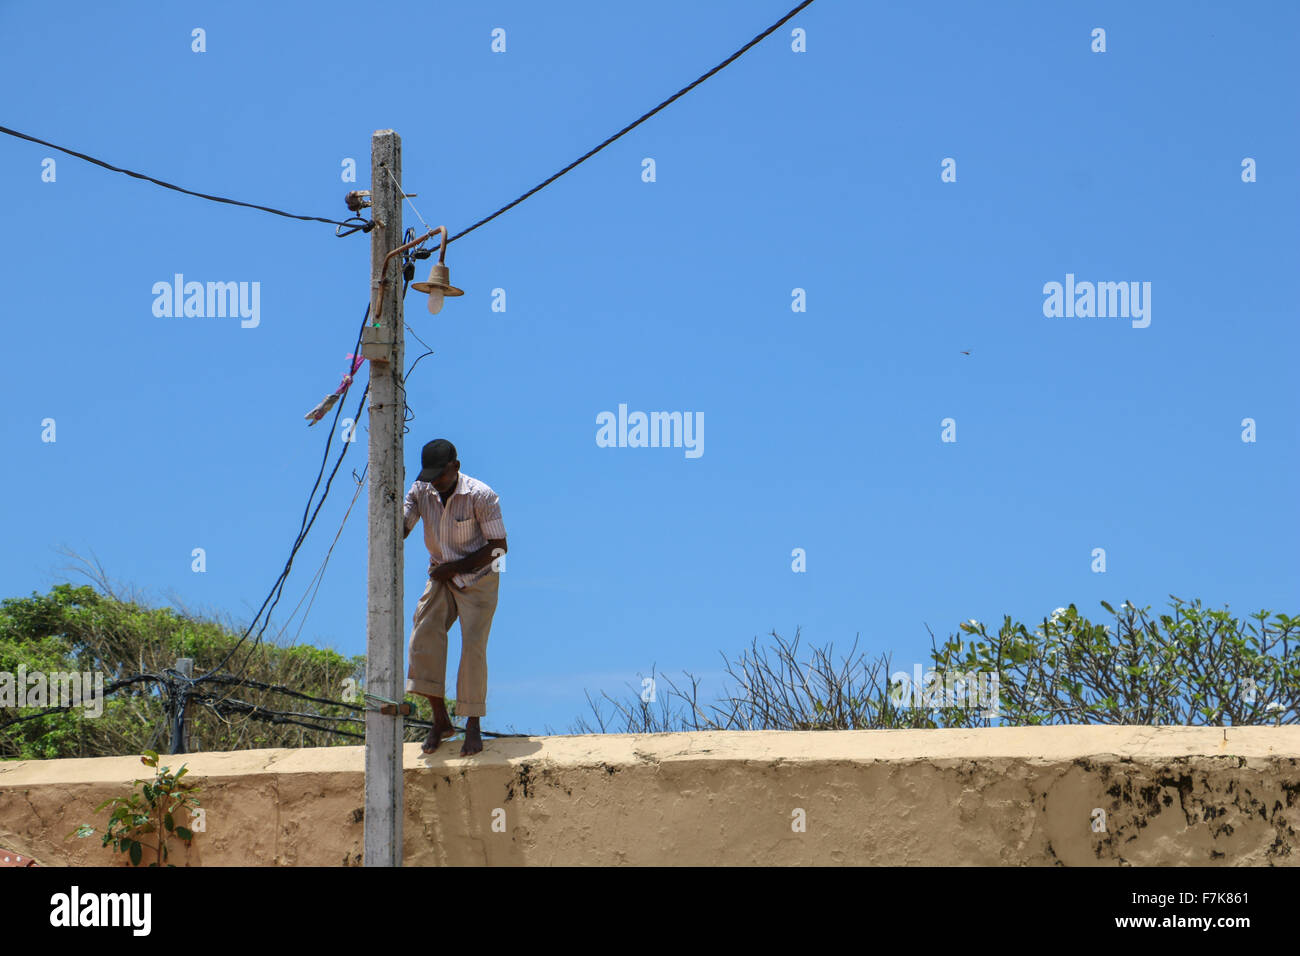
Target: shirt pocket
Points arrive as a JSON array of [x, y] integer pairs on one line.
[[464, 529]]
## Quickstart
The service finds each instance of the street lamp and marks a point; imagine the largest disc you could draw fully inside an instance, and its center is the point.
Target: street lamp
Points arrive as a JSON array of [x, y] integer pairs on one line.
[[439, 282]]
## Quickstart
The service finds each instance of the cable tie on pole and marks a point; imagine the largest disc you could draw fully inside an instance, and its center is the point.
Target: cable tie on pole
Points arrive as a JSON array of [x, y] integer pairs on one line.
[[388, 707], [357, 224]]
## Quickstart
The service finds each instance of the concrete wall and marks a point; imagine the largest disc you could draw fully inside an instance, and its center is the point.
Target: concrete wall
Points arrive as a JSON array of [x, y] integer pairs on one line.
[[1174, 795]]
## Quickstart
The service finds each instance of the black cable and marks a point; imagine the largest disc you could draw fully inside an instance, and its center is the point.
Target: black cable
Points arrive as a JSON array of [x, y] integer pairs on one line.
[[408, 413], [116, 685], [408, 273], [270, 716], [273, 598], [290, 692], [180, 189], [278, 588], [631, 126], [275, 688], [355, 224], [169, 678]]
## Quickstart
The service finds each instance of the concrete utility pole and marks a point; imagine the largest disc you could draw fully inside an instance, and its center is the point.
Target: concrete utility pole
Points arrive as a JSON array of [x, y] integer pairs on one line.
[[180, 720], [382, 344]]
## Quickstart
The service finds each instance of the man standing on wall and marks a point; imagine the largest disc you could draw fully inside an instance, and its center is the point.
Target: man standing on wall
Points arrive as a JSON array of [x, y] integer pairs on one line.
[[465, 536]]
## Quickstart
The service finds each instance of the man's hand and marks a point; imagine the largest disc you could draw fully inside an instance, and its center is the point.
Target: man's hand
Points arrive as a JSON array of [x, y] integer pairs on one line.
[[470, 563], [444, 572]]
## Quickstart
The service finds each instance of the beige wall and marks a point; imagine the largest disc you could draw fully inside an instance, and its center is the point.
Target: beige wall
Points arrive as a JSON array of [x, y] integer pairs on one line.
[[948, 797]]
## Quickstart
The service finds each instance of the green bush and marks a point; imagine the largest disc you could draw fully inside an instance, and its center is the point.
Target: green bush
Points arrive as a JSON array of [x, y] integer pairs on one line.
[[1191, 667], [81, 630]]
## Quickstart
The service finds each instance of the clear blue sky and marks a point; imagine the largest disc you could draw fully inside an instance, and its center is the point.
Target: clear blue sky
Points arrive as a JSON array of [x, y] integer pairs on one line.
[[817, 170]]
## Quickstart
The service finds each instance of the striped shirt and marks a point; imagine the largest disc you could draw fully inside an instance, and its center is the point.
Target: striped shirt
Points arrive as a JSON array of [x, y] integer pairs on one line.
[[471, 516]]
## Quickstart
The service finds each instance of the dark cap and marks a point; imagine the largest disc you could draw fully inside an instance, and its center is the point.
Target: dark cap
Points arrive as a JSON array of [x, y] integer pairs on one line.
[[435, 458]]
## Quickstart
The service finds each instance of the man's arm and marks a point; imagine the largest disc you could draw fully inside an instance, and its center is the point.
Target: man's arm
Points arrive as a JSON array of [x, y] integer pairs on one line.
[[410, 513]]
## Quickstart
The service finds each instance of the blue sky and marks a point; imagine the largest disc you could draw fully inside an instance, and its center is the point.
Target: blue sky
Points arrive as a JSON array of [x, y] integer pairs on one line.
[[817, 170]]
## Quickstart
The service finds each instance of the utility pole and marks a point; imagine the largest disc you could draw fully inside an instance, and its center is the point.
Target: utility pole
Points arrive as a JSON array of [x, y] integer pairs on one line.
[[382, 344], [180, 720]]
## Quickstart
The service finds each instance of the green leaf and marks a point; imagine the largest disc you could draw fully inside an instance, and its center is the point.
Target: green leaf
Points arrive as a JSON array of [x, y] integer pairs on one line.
[[1107, 607], [137, 852], [185, 833], [169, 823]]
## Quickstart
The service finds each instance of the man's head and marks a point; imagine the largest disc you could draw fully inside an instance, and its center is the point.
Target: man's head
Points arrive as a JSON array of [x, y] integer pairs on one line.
[[438, 465]]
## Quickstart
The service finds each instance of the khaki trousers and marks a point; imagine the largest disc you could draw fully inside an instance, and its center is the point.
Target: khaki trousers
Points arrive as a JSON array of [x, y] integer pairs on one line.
[[437, 611]]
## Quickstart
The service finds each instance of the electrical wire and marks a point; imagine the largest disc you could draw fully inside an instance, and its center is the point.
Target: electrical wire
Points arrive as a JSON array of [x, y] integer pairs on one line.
[[635, 123], [320, 574], [166, 185], [177, 685], [277, 589], [111, 688], [401, 192], [354, 225]]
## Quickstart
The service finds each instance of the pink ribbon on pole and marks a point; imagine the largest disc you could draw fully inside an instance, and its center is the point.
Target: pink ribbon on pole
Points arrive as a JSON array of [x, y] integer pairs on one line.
[[319, 412]]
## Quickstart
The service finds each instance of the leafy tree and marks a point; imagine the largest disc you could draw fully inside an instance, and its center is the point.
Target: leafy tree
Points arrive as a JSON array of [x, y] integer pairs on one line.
[[80, 629]]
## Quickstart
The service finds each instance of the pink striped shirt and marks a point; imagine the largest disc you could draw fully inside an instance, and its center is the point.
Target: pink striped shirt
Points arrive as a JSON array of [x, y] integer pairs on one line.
[[471, 516]]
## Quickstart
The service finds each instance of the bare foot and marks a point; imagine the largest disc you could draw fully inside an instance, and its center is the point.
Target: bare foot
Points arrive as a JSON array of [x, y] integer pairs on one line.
[[473, 742], [437, 733]]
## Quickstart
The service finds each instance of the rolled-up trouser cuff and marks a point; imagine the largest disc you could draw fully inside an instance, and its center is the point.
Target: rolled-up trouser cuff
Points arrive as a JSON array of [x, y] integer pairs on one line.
[[466, 709], [429, 687]]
